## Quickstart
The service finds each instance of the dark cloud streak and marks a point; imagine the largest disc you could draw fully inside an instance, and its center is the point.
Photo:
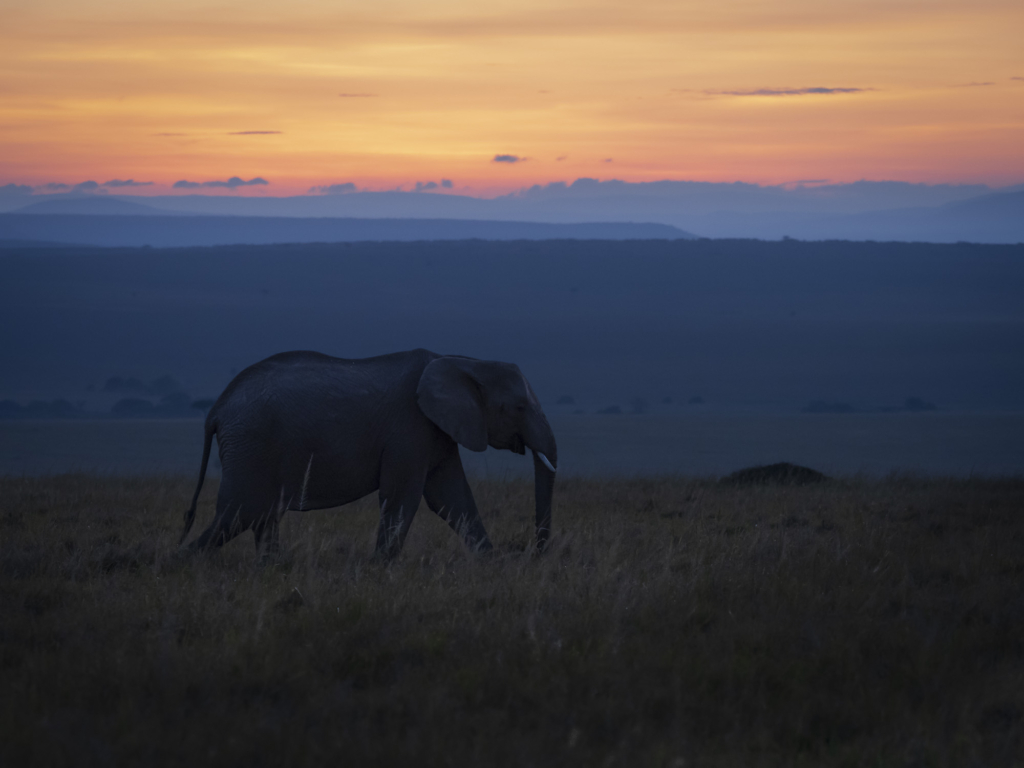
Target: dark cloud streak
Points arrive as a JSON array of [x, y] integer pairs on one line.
[[232, 183], [426, 186], [335, 189], [508, 159], [811, 91], [113, 183]]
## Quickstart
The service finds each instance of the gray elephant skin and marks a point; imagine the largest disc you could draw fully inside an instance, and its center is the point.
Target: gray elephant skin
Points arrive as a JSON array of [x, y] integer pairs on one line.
[[303, 430]]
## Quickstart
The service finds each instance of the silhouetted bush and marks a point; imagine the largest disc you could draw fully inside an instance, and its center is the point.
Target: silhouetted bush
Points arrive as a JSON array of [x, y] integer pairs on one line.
[[917, 404], [165, 385], [10, 409], [911, 405], [132, 407], [54, 409], [121, 384], [820, 406], [176, 401], [41, 409], [782, 473]]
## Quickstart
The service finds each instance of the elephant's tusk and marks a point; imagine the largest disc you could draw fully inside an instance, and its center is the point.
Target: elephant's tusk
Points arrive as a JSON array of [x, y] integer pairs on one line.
[[545, 461]]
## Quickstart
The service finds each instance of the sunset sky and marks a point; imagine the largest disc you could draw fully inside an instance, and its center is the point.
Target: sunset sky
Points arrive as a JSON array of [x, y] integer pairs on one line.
[[385, 94]]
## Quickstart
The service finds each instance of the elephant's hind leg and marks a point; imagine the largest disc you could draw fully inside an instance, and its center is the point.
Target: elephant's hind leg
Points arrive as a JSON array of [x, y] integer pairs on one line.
[[223, 528], [236, 512], [267, 536], [267, 528]]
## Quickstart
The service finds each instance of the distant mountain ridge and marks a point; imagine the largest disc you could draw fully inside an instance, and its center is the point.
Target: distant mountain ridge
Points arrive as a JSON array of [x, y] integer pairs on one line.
[[863, 210], [176, 231]]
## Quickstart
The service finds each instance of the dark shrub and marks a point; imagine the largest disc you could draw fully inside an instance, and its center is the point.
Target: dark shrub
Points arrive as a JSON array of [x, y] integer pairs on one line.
[[10, 409], [131, 407], [55, 409], [176, 401], [782, 473], [917, 404], [820, 406]]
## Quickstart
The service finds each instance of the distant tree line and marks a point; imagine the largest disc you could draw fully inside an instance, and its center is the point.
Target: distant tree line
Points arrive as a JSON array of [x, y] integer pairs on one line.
[[161, 398]]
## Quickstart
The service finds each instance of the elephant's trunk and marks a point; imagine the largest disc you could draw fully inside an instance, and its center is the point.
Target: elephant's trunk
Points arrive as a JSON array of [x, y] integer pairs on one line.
[[545, 462], [544, 487]]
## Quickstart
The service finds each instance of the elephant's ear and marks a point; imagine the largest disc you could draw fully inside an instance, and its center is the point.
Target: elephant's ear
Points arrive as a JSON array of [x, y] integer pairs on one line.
[[450, 397]]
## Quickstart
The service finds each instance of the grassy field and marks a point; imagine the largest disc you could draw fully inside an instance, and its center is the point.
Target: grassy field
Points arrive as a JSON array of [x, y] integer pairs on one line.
[[673, 622]]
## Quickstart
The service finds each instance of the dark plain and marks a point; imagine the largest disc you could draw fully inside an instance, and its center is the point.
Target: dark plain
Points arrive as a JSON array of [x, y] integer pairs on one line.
[[672, 622]]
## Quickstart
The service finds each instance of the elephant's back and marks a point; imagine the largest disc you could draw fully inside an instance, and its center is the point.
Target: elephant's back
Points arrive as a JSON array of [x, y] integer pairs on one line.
[[315, 371], [303, 393]]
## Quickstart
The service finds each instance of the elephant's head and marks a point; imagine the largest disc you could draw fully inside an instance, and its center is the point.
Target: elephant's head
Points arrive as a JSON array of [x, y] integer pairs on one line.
[[480, 403]]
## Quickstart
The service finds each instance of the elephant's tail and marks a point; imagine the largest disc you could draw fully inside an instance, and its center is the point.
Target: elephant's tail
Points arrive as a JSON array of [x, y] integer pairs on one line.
[[190, 514]]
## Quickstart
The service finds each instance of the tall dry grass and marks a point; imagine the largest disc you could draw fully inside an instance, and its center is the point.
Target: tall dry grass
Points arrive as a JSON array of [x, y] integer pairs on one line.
[[672, 622]]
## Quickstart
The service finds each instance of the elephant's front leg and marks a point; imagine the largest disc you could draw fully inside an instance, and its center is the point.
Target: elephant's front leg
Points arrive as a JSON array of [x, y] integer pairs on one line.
[[448, 494], [400, 494]]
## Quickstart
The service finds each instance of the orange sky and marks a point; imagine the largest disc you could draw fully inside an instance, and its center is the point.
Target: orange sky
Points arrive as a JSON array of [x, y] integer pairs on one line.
[[392, 92]]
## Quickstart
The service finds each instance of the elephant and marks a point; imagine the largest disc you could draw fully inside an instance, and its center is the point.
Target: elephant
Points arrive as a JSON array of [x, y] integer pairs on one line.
[[303, 431]]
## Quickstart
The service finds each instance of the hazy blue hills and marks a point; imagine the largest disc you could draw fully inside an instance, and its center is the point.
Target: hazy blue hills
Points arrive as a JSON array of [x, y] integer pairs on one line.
[[94, 205], [994, 218], [161, 231], [1008, 204]]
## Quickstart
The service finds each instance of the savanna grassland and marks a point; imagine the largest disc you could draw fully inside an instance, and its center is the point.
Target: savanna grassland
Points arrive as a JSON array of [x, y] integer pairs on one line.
[[672, 622]]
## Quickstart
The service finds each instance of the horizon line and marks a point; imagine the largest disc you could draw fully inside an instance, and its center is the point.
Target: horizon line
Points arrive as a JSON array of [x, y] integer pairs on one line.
[[154, 189]]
